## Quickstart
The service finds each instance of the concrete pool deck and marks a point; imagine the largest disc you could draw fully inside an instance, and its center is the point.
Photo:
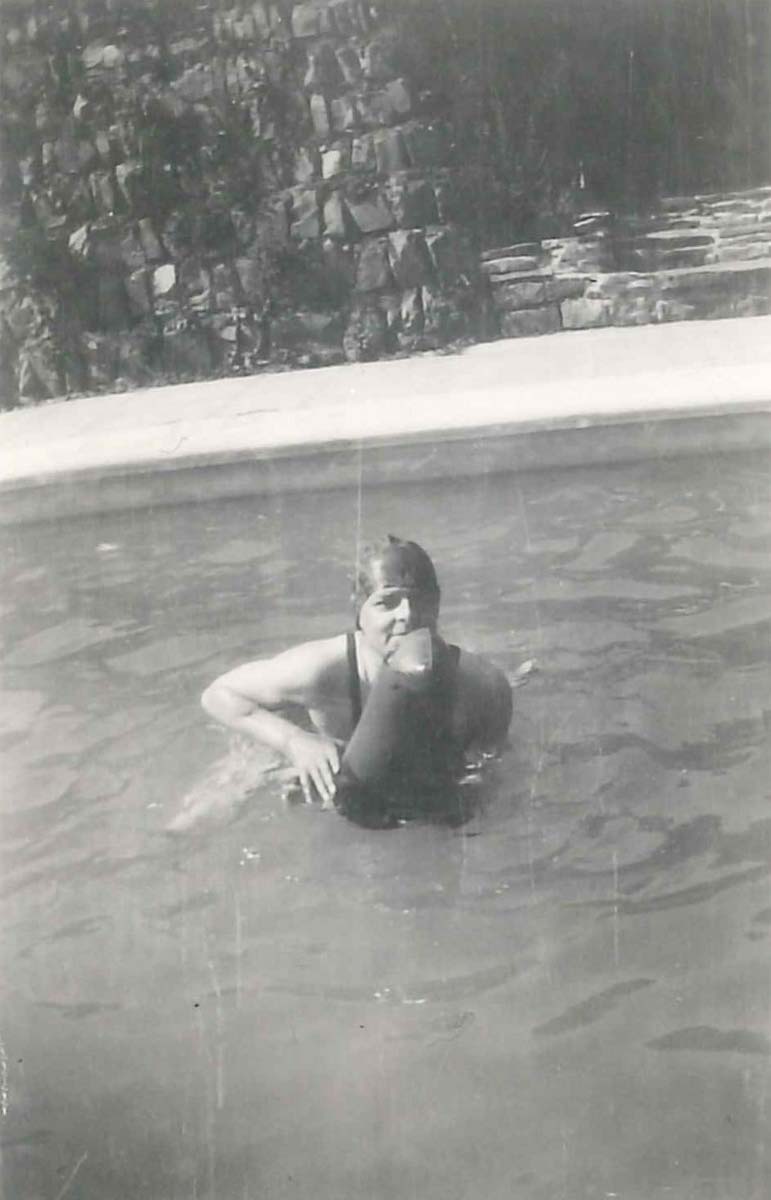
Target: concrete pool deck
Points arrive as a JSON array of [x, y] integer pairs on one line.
[[588, 396]]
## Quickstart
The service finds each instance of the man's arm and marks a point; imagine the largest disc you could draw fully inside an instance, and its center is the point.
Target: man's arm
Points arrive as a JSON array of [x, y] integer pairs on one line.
[[246, 698]]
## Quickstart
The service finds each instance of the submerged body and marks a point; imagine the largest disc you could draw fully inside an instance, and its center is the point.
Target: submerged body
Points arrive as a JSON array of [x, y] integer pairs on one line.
[[329, 680]]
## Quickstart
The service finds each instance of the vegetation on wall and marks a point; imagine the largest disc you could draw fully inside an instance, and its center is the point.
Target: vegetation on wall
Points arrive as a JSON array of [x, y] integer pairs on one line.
[[199, 187], [564, 105]]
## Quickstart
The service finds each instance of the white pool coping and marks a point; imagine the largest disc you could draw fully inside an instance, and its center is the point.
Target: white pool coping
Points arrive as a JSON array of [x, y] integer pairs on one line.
[[638, 389]]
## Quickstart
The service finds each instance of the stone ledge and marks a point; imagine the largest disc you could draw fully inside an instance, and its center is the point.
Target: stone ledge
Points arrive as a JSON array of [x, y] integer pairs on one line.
[[502, 406]]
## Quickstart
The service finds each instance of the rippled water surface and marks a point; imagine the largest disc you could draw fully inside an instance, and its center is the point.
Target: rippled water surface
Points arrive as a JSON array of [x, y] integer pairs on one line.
[[567, 997]]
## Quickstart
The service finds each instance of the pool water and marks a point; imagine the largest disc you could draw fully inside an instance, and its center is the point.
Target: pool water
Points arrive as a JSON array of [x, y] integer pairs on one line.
[[566, 997]]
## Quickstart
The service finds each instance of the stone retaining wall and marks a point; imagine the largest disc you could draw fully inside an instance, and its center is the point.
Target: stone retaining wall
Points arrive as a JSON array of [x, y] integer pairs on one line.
[[196, 189], [208, 187], [699, 257]]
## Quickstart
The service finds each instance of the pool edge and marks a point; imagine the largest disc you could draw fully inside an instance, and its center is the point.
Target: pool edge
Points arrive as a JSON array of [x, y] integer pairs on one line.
[[410, 456]]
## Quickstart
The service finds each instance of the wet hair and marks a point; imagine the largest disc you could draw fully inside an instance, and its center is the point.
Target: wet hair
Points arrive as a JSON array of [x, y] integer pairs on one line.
[[394, 561]]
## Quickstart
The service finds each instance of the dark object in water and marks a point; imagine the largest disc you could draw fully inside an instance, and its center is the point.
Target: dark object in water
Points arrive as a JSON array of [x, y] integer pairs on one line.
[[402, 760]]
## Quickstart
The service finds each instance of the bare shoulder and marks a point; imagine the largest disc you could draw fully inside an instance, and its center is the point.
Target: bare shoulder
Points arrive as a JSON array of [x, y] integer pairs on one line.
[[300, 675]]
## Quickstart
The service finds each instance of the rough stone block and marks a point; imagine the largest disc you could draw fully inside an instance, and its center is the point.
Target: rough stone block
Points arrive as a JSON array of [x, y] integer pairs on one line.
[[323, 69], [336, 218], [319, 115], [363, 156], [92, 55], [305, 20], [187, 352], [49, 211], [280, 26], [251, 275], [38, 370], [335, 161], [443, 318], [305, 326], [588, 224], [130, 179], [391, 306], [531, 322], [633, 308], [412, 201], [226, 286], [261, 18], [409, 257], [343, 113], [306, 222], [366, 334], [521, 264], [131, 252], [196, 84], [513, 296], [138, 292], [347, 17], [567, 287], [103, 191], [450, 254], [164, 281], [399, 97], [673, 310], [530, 249], [390, 153], [370, 213], [693, 256], [376, 109], [151, 246], [195, 283], [104, 146], [339, 267], [378, 59], [98, 244], [349, 64], [580, 254], [411, 311], [73, 155], [101, 355], [426, 143], [585, 314], [24, 318], [374, 269], [272, 224], [457, 196], [112, 301]]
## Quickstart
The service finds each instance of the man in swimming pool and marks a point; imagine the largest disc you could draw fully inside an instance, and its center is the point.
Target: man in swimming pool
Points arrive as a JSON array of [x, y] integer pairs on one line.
[[396, 591]]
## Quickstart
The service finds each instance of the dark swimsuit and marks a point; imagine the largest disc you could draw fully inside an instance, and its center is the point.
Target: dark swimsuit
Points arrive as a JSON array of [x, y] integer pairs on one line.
[[436, 794], [445, 687]]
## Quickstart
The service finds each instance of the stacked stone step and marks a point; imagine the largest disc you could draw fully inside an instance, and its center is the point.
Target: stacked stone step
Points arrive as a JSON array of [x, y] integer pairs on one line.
[[371, 185], [738, 222], [699, 257], [525, 292]]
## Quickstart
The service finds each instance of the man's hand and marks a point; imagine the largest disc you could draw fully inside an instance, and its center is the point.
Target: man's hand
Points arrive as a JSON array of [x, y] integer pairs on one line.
[[317, 760]]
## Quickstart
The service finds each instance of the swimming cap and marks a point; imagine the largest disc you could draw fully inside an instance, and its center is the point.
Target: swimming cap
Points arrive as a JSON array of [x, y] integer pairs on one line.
[[394, 563]]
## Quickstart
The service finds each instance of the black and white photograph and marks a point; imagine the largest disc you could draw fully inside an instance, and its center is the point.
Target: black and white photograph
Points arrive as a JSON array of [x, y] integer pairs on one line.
[[385, 600]]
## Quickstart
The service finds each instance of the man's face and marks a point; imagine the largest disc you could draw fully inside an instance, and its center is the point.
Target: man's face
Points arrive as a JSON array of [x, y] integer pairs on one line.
[[394, 609]]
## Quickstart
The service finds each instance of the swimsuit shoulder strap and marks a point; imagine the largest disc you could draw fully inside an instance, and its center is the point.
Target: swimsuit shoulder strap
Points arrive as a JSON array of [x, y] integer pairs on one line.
[[354, 684]]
